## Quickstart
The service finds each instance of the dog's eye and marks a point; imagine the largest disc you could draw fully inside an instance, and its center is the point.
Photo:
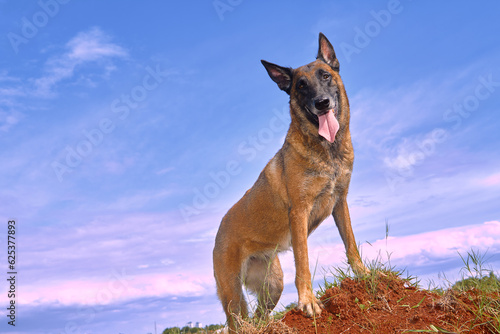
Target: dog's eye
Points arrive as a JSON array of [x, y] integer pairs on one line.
[[302, 85], [326, 76]]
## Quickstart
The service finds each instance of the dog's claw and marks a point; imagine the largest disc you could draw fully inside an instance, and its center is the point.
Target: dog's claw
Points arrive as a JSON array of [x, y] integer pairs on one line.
[[311, 309]]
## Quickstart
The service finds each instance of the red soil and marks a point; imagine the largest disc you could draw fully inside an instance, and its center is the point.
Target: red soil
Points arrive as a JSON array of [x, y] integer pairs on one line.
[[393, 306]]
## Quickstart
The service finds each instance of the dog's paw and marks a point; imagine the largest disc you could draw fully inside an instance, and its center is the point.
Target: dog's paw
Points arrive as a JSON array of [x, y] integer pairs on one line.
[[381, 274], [360, 270], [311, 308], [365, 272]]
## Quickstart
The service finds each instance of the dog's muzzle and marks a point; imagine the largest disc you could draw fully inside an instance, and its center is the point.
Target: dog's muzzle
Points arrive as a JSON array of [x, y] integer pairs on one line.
[[325, 104], [327, 117]]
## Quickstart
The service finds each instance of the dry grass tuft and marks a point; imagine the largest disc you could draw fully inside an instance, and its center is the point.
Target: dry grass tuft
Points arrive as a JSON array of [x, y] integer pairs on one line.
[[273, 326]]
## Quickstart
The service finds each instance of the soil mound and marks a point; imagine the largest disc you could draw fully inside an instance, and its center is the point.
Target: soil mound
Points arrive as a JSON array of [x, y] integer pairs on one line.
[[392, 305]]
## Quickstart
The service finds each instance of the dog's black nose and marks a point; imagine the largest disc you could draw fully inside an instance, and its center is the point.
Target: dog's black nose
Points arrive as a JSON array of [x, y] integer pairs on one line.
[[322, 104]]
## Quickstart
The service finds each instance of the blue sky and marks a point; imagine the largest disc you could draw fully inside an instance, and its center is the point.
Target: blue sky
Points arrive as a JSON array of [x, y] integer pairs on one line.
[[128, 129]]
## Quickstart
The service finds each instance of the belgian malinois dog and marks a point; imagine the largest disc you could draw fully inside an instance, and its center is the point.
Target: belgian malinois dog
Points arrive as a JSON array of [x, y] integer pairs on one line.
[[305, 182]]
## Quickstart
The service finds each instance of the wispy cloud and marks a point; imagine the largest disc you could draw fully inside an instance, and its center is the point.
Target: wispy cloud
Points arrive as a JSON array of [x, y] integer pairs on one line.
[[86, 47], [89, 46], [5, 77], [10, 91], [411, 151], [388, 118], [8, 119], [138, 200], [93, 45]]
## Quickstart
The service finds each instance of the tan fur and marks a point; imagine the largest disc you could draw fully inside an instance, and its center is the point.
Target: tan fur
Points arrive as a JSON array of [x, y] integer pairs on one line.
[[305, 182]]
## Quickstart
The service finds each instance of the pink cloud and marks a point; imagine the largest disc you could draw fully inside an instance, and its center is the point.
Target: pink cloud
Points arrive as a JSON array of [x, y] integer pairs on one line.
[[440, 243], [74, 271], [118, 286], [492, 180]]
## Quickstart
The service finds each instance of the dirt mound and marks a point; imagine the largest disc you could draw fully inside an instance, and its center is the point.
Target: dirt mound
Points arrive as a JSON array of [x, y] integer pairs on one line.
[[391, 305]]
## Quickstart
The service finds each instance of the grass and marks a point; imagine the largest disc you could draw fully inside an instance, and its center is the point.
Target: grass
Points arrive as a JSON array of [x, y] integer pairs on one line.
[[479, 283], [258, 326], [477, 280], [483, 282]]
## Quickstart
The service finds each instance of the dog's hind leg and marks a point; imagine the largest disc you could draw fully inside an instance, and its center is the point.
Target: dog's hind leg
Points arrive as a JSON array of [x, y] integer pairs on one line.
[[264, 277], [227, 272]]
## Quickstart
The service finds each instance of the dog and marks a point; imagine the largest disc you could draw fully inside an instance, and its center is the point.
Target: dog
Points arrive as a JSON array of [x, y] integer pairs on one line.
[[306, 181]]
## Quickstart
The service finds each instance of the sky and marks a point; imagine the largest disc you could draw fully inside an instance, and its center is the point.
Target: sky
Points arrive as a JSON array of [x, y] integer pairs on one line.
[[128, 129]]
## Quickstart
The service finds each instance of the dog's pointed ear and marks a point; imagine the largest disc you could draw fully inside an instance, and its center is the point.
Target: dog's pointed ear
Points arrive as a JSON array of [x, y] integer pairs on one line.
[[281, 75], [326, 53]]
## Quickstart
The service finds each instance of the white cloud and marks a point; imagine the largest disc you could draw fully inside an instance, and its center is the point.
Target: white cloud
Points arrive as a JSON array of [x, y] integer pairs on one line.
[[89, 46], [412, 151], [92, 45]]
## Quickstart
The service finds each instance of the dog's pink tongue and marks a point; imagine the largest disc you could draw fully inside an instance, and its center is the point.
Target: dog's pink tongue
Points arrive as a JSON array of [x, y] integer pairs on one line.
[[328, 126]]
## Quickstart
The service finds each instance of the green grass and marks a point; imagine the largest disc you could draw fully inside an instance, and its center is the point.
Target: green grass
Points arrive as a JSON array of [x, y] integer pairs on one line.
[[334, 277], [477, 277]]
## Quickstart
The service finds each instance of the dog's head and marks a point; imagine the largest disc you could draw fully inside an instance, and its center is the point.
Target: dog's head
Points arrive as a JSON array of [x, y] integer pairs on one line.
[[316, 89]]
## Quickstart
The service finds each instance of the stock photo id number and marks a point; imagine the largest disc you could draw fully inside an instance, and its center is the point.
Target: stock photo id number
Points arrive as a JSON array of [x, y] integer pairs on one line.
[[11, 272]]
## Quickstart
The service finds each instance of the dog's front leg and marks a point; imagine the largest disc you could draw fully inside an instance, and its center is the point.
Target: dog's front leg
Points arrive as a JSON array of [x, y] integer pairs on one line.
[[343, 222], [307, 301]]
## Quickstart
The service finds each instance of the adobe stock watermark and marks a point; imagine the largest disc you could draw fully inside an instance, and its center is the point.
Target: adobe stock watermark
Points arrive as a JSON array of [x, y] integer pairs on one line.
[[117, 285], [32, 25], [223, 6], [120, 109], [403, 166], [364, 36], [248, 149]]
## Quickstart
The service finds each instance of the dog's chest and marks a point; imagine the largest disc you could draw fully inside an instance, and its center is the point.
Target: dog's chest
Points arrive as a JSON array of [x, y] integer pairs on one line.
[[322, 205], [323, 186]]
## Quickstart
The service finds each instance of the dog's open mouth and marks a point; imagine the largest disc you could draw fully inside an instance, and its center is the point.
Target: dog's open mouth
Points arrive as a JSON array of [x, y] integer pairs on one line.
[[328, 123]]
